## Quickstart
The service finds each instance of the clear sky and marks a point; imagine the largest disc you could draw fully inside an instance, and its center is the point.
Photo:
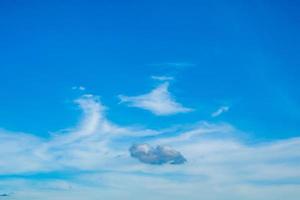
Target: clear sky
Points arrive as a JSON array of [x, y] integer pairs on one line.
[[96, 94]]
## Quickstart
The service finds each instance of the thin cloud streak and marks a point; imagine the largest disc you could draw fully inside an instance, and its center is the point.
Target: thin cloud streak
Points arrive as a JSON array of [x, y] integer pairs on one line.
[[162, 78], [220, 111]]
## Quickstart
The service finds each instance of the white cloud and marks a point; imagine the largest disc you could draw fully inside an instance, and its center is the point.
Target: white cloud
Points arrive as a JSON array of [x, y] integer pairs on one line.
[[162, 78], [81, 88], [220, 111], [17, 152], [177, 65], [220, 165], [159, 101]]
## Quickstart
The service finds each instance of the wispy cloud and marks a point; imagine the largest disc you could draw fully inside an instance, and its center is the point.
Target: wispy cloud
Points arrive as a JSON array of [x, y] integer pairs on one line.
[[220, 165], [81, 88], [174, 64], [220, 111], [159, 101], [162, 78]]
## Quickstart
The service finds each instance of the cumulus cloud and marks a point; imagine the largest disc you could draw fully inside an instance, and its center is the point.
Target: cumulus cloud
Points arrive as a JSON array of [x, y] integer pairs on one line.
[[220, 111], [156, 156], [159, 101]]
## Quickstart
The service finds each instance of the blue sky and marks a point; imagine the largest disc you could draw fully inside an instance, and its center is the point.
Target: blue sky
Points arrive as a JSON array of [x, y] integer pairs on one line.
[[157, 76]]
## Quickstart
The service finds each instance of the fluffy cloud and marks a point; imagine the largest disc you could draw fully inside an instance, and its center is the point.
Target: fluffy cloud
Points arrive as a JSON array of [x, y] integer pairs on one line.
[[157, 156], [159, 101]]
